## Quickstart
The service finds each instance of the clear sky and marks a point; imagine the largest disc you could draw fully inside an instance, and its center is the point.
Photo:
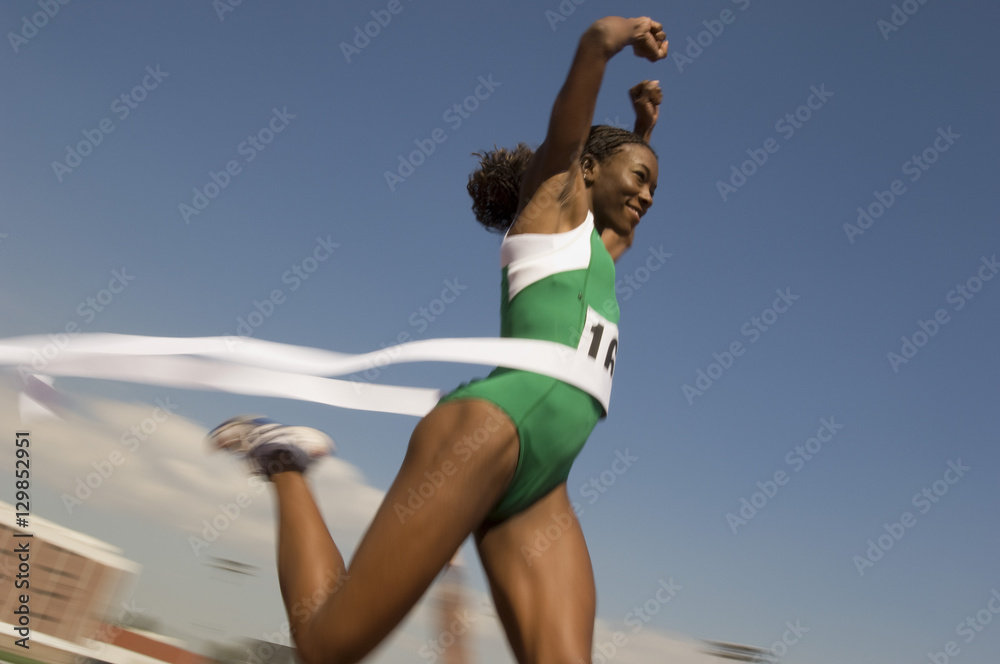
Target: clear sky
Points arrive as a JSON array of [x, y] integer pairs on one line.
[[783, 313]]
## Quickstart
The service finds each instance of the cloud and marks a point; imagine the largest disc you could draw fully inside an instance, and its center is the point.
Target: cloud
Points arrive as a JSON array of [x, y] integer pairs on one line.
[[421, 639], [149, 460], [647, 646]]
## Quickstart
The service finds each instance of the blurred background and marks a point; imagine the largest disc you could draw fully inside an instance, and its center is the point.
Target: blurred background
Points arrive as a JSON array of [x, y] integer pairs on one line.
[[806, 384]]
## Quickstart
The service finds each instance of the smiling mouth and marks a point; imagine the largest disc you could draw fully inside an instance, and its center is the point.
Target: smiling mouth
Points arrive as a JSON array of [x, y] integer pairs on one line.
[[635, 212]]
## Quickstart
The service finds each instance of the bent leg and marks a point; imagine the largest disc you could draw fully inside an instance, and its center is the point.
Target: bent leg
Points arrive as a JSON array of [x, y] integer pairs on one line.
[[459, 462], [542, 581]]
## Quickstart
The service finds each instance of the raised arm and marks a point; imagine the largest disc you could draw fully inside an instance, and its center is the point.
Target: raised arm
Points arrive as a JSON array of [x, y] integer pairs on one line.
[[646, 99], [573, 111]]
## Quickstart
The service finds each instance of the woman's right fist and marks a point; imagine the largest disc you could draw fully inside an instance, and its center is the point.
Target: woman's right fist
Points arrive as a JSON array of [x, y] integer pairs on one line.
[[648, 39]]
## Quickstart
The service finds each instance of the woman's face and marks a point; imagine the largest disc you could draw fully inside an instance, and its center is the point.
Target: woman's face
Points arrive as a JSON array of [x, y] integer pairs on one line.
[[623, 188]]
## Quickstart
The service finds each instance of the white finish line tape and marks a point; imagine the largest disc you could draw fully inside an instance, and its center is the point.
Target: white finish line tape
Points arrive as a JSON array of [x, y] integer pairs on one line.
[[266, 368]]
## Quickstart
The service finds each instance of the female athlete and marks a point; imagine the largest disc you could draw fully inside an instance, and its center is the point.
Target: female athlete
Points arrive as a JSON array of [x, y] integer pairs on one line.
[[496, 451]]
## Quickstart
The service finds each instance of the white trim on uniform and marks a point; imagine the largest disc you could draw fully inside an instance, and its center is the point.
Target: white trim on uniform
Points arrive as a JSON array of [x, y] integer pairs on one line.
[[530, 257]]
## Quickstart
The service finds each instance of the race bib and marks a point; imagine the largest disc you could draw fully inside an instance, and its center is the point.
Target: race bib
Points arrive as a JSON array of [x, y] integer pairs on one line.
[[599, 342]]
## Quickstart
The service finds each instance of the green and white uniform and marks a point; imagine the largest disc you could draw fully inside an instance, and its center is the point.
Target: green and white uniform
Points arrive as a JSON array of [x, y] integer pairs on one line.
[[556, 287]]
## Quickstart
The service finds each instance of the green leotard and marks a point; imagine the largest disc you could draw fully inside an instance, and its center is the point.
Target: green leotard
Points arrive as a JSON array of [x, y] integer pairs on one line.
[[553, 418]]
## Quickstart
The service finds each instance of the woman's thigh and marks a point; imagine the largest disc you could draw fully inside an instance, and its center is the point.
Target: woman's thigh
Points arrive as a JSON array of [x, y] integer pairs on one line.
[[459, 461], [542, 581]]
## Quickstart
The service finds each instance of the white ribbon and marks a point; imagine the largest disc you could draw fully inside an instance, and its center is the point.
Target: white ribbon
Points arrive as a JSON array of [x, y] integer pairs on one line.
[[265, 368]]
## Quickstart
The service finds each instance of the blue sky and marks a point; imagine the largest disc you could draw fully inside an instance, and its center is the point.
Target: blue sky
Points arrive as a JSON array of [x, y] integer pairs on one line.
[[837, 103]]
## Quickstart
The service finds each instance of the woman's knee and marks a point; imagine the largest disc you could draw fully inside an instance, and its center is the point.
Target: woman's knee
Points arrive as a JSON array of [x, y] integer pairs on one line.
[[339, 645]]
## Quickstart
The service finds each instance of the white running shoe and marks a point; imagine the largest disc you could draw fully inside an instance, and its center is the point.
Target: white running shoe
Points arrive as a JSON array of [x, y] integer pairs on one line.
[[270, 447]]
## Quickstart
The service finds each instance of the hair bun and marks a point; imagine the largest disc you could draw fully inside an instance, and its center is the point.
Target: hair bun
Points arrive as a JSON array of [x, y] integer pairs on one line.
[[495, 185]]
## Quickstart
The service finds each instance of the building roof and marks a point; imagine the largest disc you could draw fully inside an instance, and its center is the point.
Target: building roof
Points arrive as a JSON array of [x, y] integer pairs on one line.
[[71, 540]]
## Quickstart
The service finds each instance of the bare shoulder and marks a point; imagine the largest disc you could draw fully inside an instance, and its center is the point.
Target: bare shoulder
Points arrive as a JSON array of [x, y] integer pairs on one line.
[[556, 205]]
